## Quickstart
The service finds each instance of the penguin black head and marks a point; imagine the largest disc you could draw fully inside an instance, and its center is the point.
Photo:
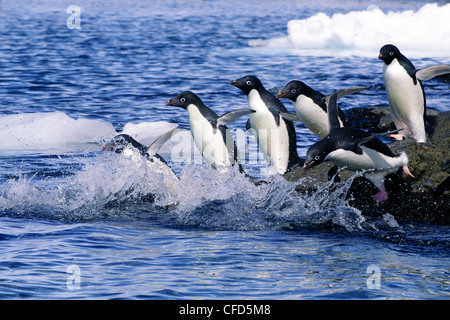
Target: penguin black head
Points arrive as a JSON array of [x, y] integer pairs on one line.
[[292, 90], [388, 53], [184, 99], [315, 155], [247, 84], [122, 141]]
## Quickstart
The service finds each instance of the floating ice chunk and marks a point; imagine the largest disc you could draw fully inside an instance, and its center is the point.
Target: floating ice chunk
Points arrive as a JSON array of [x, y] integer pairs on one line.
[[423, 33], [42, 132], [147, 132]]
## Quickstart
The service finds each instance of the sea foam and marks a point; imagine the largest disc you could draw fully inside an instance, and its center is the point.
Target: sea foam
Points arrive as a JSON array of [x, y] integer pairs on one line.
[[421, 33]]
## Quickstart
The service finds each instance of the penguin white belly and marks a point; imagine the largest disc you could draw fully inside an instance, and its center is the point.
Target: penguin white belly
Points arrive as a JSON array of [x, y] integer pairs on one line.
[[406, 101], [273, 140], [209, 141], [378, 164], [312, 116]]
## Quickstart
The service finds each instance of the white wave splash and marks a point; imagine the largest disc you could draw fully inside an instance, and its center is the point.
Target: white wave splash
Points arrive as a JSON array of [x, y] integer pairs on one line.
[[424, 33], [113, 186]]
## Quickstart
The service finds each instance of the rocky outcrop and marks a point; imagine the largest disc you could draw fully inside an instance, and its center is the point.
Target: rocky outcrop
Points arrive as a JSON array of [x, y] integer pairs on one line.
[[424, 198]]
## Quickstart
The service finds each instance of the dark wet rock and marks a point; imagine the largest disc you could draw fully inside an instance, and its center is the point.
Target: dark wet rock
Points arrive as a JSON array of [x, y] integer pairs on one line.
[[425, 198]]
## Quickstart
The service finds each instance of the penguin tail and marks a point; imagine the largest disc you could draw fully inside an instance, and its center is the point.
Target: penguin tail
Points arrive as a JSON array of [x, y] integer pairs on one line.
[[403, 157]]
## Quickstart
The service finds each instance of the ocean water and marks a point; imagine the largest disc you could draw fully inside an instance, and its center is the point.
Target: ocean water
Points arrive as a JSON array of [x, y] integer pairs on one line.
[[78, 223]]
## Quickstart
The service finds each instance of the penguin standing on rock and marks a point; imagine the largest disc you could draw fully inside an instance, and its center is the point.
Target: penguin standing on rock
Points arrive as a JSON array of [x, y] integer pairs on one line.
[[209, 131], [405, 91], [275, 136], [310, 106], [357, 150]]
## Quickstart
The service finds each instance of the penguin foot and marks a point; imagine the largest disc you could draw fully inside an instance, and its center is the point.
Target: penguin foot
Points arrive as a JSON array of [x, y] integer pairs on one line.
[[397, 137], [381, 195], [407, 172]]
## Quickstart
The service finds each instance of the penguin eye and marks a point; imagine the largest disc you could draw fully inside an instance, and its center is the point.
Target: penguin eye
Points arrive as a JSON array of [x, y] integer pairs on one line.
[[293, 91], [248, 82], [316, 158], [183, 99], [391, 53]]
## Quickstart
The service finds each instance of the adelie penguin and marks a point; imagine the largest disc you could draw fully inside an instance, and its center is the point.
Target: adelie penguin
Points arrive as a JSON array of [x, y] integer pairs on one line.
[[405, 91], [275, 136], [209, 131], [310, 106], [357, 150]]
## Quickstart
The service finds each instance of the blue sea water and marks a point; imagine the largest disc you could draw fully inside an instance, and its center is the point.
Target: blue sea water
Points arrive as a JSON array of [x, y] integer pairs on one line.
[[75, 222]]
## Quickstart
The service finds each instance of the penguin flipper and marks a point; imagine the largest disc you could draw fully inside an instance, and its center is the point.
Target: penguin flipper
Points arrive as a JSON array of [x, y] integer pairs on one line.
[[158, 143], [409, 67], [348, 91], [333, 118], [276, 115], [376, 136], [340, 94], [430, 72], [324, 105], [232, 116], [289, 116]]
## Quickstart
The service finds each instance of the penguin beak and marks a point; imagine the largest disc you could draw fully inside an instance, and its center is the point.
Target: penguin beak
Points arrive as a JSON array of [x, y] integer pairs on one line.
[[233, 83], [108, 147], [280, 94], [171, 102], [174, 102], [380, 56], [308, 165]]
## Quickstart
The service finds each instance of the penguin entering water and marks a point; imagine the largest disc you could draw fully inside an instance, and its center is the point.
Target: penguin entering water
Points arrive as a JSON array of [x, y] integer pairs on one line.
[[275, 136], [405, 91], [356, 150], [209, 131], [125, 144], [128, 146], [310, 106]]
